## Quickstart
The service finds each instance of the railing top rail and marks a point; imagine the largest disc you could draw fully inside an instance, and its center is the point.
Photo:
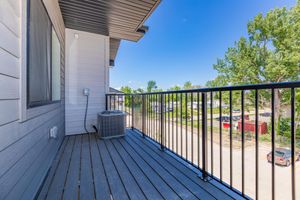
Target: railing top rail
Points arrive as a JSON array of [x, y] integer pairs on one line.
[[282, 85]]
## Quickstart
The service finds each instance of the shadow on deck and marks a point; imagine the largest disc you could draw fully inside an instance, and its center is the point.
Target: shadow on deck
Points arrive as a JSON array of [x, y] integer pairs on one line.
[[125, 168]]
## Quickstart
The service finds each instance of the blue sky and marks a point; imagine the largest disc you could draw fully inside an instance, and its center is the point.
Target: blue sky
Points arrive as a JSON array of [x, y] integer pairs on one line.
[[184, 41]]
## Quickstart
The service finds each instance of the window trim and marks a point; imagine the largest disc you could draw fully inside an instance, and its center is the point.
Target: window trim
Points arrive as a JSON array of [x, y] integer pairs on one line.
[[29, 104]]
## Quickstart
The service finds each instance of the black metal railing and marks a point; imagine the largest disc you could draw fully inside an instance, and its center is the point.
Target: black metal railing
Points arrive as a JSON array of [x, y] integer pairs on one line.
[[231, 134]]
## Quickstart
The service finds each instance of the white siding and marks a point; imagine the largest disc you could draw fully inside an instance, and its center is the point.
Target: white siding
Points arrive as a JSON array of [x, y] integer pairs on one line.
[[26, 152], [87, 60], [9, 64], [9, 87]]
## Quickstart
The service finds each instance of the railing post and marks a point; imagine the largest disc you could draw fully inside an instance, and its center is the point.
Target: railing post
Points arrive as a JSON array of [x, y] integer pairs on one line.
[[106, 102], [162, 100], [204, 136], [132, 112], [143, 114]]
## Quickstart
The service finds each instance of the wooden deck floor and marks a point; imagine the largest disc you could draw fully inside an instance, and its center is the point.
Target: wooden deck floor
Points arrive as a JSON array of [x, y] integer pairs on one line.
[[125, 168]]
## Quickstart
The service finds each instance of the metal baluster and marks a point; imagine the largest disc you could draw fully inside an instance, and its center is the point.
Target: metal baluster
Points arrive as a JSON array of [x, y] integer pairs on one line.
[[186, 126], [147, 114], [106, 106], [221, 156], [169, 124], [256, 146], [204, 136], [156, 116], [162, 121], [132, 111], [273, 143], [173, 122], [118, 102], [166, 120], [125, 97], [151, 116], [293, 142], [146, 109], [198, 127], [192, 127], [114, 102], [109, 102], [143, 115], [181, 129], [124, 100], [243, 141], [211, 134], [230, 135], [177, 123]]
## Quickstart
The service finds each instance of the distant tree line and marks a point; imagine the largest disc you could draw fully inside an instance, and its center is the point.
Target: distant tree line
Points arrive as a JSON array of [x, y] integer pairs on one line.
[[153, 87]]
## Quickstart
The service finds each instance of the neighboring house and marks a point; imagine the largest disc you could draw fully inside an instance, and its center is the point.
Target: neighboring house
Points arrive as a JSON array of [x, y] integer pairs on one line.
[[114, 91], [116, 101], [50, 51], [216, 103]]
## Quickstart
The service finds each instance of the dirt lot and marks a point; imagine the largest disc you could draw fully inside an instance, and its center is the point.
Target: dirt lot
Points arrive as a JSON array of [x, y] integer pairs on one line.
[[282, 174]]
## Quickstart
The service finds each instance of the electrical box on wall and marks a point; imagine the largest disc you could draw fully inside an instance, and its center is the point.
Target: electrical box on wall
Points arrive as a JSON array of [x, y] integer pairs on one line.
[[86, 91], [53, 132]]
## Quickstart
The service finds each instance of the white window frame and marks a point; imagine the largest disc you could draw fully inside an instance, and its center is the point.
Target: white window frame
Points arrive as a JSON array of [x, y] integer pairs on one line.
[[27, 113]]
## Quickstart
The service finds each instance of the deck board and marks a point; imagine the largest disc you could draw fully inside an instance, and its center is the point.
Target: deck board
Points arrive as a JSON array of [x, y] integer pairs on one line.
[[122, 168], [71, 185], [175, 184], [185, 181], [159, 183], [57, 185], [115, 183], [101, 185], [86, 172], [45, 188], [217, 193], [149, 190], [130, 184]]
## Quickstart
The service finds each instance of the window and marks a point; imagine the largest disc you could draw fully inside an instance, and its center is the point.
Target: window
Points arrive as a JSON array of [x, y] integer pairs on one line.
[[43, 54], [55, 67]]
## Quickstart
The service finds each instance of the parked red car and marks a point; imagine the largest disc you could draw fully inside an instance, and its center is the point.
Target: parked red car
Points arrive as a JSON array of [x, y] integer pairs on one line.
[[283, 156]]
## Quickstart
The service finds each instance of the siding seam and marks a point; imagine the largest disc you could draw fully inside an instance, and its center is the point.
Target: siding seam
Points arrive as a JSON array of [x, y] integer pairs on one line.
[[14, 77], [15, 56], [10, 29]]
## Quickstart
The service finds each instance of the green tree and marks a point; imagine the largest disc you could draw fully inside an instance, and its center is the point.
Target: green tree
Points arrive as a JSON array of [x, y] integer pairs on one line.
[[127, 98], [126, 90], [188, 85], [139, 90], [151, 86], [174, 96], [297, 116], [270, 53], [175, 88]]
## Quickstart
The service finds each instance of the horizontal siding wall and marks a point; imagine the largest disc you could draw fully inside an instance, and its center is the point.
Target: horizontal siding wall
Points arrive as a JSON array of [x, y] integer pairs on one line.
[[26, 152], [86, 67]]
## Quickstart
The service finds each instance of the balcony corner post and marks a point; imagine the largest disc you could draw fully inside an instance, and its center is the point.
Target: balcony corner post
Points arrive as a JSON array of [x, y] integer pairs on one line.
[[162, 100]]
